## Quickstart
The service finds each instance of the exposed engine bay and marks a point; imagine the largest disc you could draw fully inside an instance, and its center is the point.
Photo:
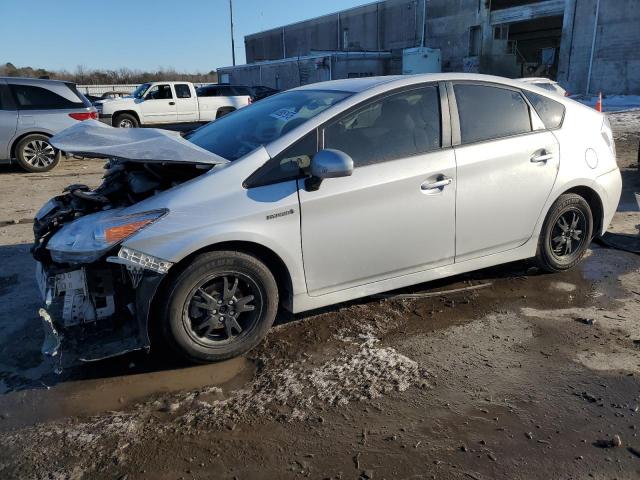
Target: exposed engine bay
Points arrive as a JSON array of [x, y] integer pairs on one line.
[[98, 300], [98, 305], [124, 183]]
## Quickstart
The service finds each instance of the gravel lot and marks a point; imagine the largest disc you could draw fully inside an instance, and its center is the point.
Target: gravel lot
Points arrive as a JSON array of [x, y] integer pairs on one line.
[[536, 376]]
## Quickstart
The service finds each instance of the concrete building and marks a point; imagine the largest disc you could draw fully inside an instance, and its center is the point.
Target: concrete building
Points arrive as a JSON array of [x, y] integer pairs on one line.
[[587, 45]]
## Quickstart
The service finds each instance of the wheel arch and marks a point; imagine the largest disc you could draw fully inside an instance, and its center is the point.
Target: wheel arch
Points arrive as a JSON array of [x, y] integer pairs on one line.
[[129, 112], [222, 111], [18, 138], [595, 203], [266, 255]]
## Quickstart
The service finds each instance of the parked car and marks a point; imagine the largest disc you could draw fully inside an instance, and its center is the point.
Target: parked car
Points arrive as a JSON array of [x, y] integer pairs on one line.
[[259, 92], [31, 111], [316, 196], [171, 102], [113, 95], [546, 84]]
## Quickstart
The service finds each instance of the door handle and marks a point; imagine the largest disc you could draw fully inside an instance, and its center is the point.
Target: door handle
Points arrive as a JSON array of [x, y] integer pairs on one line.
[[172, 103], [542, 157], [440, 183]]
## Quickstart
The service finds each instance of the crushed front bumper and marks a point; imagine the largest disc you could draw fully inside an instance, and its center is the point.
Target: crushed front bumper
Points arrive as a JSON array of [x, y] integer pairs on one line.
[[95, 311]]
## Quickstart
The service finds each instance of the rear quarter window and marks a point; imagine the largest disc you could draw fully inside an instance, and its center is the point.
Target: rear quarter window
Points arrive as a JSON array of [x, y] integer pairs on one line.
[[182, 90], [31, 97], [550, 112]]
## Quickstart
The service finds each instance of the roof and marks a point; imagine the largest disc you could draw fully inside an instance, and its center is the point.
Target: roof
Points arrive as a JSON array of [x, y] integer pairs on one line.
[[32, 80], [536, 80], [356, 85]]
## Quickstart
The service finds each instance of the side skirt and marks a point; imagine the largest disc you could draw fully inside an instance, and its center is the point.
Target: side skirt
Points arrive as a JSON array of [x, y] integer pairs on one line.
[[303, 302]]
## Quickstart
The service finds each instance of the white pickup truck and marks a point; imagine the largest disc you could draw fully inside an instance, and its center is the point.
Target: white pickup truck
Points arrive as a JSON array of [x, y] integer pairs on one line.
[[172, 102]]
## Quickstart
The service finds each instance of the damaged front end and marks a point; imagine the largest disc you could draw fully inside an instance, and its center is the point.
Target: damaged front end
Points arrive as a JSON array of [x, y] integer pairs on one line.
[[97, 292]]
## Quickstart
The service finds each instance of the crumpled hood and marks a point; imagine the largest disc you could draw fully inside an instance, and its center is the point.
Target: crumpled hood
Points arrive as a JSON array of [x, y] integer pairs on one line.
[[95, 139]]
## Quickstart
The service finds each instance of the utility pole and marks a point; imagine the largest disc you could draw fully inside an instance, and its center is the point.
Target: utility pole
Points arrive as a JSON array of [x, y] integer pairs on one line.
[[233, 45]]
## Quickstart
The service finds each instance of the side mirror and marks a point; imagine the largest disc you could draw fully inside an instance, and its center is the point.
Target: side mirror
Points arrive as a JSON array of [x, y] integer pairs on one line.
[[328, 163]]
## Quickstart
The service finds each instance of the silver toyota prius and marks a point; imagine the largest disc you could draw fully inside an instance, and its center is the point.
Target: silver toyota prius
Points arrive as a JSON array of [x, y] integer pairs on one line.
[[312, 197]]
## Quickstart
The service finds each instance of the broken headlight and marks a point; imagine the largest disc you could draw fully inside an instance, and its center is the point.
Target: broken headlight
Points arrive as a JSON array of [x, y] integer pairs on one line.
[[88, 238]]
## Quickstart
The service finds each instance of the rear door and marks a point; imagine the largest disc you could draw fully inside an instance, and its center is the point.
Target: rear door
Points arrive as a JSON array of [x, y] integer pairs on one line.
[[396, 214], [186, 103], [8, 120], [159, 105], [507, 166]]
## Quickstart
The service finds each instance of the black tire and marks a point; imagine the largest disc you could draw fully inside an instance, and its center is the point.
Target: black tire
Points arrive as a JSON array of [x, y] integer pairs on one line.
[[224, 111], [35, 154], [566, 233], [125, 120], [211, 334]]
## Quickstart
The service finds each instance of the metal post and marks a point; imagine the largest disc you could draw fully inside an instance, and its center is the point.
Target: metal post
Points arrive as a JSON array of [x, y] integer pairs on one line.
[[593, 45], [284, 45], [233, 45]]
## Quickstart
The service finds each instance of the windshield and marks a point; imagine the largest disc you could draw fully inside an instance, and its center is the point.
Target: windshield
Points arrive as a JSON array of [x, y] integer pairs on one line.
[[235, 135], [141, 90]]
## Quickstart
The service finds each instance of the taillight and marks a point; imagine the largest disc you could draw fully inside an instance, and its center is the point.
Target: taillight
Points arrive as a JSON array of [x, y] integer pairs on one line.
[[84, 116]]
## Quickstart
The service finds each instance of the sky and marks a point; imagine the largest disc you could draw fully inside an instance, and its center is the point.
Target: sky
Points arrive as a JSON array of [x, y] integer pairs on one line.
[[188, 35]]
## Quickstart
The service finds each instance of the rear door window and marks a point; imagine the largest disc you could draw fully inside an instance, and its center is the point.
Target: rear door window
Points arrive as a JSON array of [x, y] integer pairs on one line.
[[182, 90], [397, 126], [550, 111], [488, 112], [31, 97]]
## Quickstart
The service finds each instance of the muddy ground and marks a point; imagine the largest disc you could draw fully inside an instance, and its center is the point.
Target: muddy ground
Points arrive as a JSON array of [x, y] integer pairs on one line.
[[530, 376]]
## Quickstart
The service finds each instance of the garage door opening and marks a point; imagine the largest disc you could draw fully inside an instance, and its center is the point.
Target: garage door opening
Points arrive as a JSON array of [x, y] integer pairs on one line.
[[534, 44]]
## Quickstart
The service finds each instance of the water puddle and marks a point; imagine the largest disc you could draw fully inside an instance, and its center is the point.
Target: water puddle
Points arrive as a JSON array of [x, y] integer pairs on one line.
[[89, 397]]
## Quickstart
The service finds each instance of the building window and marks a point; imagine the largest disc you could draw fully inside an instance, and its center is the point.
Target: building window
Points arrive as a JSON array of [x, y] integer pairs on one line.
[[501, 32], [345, 39], [475, 40]]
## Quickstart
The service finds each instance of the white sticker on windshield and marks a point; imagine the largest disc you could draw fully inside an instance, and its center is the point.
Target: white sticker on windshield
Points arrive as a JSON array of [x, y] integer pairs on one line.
[[285, 114]]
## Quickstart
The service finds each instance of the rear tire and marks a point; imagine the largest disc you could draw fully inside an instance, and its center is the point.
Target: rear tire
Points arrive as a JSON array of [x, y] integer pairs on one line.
[[125, 120], [566, 233], [219, 306], [35, 154]]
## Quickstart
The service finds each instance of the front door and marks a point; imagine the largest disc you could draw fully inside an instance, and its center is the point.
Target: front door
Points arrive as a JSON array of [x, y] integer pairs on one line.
[[159, 105], [506, 170], [396, 214]]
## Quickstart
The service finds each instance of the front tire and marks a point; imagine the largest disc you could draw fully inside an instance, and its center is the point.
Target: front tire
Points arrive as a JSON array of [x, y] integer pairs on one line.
[[125, 120], [35, 154], [219, 306], [566, 233]]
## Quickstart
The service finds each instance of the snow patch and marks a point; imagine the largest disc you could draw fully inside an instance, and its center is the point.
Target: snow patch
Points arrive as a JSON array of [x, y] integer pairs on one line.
[[292, 392]]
